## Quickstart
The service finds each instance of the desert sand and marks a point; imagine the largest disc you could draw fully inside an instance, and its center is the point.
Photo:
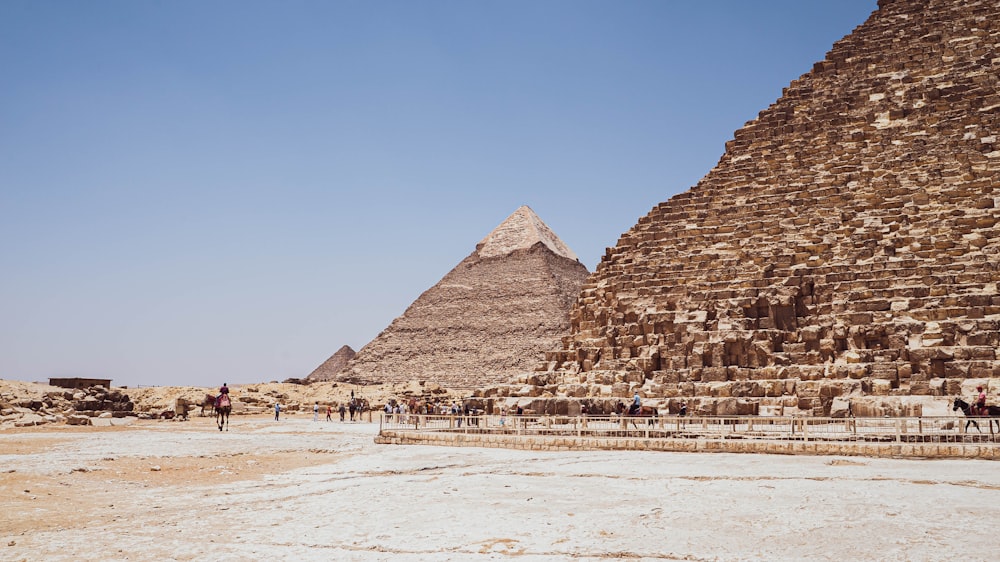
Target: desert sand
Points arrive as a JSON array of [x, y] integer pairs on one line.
[[303, 490]]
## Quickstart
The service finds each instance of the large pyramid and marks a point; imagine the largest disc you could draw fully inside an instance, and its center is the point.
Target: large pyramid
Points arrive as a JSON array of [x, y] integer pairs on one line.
[[845, 247], [489, 318]]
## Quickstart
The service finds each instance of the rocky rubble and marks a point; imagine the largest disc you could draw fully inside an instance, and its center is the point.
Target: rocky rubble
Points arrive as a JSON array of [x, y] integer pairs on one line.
[[24, 404], [54, 405]]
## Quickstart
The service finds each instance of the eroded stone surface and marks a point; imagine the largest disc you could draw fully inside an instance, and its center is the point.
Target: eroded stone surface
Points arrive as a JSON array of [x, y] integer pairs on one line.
[[844, 246]]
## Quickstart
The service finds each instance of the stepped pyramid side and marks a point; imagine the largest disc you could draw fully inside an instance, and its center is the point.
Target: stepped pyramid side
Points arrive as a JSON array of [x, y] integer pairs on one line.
[[844, 247], [490, 318], [332, 366]]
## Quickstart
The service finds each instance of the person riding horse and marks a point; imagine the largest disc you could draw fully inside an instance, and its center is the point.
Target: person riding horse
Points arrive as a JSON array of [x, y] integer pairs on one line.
[[981, 401], [636, 406]]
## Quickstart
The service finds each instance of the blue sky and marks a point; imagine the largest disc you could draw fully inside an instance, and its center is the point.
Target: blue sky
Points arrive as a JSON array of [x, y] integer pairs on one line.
[[198, 192]]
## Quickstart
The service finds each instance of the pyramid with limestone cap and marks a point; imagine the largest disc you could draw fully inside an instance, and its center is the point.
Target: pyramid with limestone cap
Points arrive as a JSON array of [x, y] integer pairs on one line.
[[520, 231], [489, 319]]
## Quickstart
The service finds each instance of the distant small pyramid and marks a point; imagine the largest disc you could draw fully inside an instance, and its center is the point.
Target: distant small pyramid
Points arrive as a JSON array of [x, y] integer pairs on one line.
[[489, 319], [332, 366]]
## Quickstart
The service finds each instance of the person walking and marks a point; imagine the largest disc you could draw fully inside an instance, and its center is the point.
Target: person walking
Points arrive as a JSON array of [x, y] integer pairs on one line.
[[316, 411], [329, 412], [277, 410]]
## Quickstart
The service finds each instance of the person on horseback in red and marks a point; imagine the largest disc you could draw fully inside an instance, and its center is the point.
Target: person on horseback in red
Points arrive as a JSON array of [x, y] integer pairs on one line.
[[981, 401]]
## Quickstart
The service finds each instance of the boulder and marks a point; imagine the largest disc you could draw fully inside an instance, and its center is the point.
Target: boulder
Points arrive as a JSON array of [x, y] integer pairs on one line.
[[77, 419]]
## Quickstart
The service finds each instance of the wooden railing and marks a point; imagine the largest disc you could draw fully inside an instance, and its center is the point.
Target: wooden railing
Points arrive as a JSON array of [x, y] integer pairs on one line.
[[943, 429]]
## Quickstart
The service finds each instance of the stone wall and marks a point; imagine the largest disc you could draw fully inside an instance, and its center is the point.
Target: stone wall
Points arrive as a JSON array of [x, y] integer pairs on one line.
[[845, 244]]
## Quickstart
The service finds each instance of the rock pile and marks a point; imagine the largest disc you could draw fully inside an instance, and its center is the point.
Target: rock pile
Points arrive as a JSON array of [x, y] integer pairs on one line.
[[844, 250], [74, 407]]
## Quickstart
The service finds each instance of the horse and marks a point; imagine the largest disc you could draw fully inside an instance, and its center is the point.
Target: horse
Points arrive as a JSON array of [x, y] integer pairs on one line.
[[223, 407], [967, 409], [641, 412]]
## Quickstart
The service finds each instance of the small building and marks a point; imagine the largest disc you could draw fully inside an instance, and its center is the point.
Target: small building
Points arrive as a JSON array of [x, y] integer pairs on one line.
[[79, 383]]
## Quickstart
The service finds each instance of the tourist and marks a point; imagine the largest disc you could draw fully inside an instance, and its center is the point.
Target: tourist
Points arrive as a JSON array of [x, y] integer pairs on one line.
[[316, 411], [277, 410], [329, 412], [342, 409], [981, 401], [224, 389], [684, 409], [636, 404]]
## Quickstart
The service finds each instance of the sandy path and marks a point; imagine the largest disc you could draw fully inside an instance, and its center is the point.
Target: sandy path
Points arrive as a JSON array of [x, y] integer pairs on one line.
[[324, 491]]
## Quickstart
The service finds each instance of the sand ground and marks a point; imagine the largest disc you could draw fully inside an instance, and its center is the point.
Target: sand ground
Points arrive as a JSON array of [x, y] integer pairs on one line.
[[304, 490]]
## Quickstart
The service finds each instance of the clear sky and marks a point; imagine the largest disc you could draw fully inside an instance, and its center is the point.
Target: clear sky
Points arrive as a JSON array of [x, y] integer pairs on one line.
[[199, 192]]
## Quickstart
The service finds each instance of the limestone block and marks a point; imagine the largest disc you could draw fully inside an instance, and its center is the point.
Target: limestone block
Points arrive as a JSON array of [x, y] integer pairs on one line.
[[968, 387], [721, 390], [885, 371], [840, 407], [857, 371], [714, 374], [880, 387], [621, 389], [77, 419], [28, 420], [635, 377], [666, 377]]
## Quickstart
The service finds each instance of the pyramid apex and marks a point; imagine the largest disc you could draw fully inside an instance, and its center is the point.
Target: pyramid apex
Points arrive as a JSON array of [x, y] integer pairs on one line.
[[520, 231]]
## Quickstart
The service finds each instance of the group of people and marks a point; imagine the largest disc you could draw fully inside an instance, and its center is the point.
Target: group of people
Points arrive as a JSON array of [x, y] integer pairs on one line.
[[354, 406]]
